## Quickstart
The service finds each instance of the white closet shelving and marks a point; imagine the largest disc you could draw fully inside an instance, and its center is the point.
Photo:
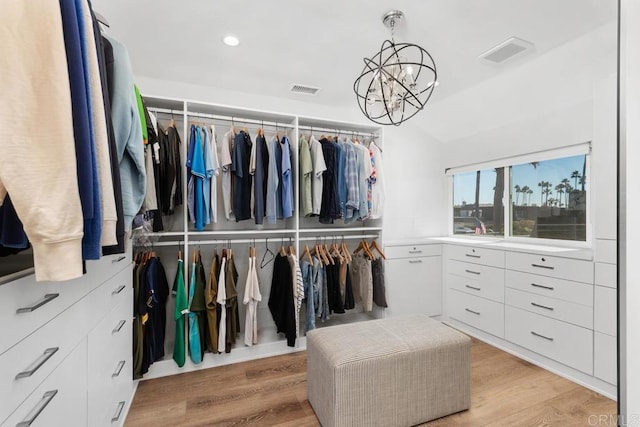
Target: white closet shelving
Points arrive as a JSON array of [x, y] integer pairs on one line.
[[179, 233]]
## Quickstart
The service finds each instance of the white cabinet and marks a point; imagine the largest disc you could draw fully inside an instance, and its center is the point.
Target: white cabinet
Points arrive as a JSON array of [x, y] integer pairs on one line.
[[61, 399], [49, 362], [540, 304], [413, 279]]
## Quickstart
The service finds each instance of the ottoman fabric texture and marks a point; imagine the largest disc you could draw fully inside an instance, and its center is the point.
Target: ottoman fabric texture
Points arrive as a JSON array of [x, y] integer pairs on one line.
[[398, 371]]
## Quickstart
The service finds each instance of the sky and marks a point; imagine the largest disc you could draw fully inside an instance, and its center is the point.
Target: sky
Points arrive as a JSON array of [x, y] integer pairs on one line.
[[525, 174]]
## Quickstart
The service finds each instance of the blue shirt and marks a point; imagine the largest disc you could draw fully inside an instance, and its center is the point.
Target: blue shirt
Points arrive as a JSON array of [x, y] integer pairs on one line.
[[199, 173], [287, 187]]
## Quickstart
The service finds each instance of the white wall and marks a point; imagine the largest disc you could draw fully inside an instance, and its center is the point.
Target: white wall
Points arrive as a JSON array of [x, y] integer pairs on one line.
[[629, 245]]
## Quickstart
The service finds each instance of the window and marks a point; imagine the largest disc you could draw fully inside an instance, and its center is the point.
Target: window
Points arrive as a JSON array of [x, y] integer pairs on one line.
[[549, 199], [547, 196], [477, 202]]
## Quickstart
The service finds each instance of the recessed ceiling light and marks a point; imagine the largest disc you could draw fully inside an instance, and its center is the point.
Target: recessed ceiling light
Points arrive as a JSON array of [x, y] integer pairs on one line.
[[230, 40]]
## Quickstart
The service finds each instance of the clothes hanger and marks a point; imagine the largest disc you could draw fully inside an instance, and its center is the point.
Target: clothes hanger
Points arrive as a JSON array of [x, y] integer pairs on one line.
[[374, 245], [306, 253], [264, 262], [325, 249]]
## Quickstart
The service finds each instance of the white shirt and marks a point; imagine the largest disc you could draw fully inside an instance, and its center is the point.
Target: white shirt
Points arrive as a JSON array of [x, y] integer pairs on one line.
[[377, 189], [251, 298], [222, 300], [319, 166], [225, 164]]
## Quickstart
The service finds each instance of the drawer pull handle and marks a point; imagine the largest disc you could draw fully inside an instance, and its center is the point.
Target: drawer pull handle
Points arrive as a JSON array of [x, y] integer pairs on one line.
[[415, 251], [542, 306], [535, 285], [118, 369], [415, 261], [118, 413], [48, 353], [118, 290], [472, 287], [118, 326], [548, 267], [472, 256], [113, 261], [541, 336], [473, 312], [472, 272], [33, 414], [47, 299]]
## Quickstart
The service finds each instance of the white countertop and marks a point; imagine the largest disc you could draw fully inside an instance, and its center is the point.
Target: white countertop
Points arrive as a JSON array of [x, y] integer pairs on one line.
[[560, 250]]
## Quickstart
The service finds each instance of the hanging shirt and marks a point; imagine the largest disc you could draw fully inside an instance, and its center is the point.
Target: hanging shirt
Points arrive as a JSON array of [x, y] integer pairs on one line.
[[278, 156], [195, 351], [199, 174], [251, 298], [341, 179], [377, 190], [309, 294], [225, 165], [272, 184], [318, 277], [281, 304], [181, 308], [319, 166], [351, 175], [298, 290], [222, 300], [329, 209], [287, 185], [260, 170], [210, 297], [231, 305], [306, 170], [362, 281], [214, 166], [242, 177]]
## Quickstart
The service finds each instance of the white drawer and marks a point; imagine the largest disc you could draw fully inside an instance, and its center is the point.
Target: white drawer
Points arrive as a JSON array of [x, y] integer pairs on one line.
[[26, 305], [606, 275], [112, 293], [492, 257], [566, 290], [61, 399], [568, 344], [110, 365], [605, 361], [605, 311], [115, 408], [576, 314], [108, 266], [563, 268], [490, 289], [412, 251], [475, 311], [414, 286]]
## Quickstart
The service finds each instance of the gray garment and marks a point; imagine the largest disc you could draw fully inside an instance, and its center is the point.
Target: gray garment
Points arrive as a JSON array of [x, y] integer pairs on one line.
[[362, 281], [379, 292], [272, 184]]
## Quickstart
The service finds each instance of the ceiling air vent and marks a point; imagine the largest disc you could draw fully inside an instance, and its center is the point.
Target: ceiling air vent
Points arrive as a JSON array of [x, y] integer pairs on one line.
[[307, 90], [506, 50]]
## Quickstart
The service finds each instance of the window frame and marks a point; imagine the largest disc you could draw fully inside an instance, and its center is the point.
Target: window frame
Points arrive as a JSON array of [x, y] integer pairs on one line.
[[507, 163]]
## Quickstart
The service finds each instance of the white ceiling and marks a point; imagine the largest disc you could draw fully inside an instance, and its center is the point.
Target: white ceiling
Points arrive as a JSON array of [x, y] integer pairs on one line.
[[322, 43]]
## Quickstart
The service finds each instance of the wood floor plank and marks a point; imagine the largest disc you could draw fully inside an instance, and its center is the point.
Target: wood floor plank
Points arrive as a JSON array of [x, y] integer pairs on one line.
[[505, 391]]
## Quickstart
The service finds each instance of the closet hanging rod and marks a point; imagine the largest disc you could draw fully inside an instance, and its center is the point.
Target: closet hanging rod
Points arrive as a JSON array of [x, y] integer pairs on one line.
[[338, 131], [338, 230], [337, 237], [240, 120], [165, 110], [239, 232]]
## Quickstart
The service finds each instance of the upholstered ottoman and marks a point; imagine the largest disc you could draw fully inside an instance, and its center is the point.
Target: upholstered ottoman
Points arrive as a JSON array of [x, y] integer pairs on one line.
[[398, 371]]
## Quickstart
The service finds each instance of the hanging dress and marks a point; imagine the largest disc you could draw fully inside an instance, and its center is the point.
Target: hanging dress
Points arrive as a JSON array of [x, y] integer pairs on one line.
[[180, 310], [195, 352]]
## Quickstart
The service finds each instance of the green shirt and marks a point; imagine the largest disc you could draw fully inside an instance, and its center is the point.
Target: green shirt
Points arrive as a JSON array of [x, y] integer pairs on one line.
[[306, 170], [181, 308]]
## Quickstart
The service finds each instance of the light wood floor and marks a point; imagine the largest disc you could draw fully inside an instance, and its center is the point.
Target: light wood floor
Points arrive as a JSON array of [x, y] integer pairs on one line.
[[506, 391]]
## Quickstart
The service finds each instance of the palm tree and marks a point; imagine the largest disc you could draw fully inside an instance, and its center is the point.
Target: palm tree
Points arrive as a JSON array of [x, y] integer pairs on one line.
[[547, 191], [567, 189], [542, 185], [529, 193], [559, 192], [518, 191], [575, 175], [525, 191]]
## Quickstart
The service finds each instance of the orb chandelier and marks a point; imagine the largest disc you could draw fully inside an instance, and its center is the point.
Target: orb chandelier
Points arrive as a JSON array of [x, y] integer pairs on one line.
[[395, 83]]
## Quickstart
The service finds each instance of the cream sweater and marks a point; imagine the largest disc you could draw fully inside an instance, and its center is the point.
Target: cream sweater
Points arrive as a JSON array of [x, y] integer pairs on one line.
[[37, 151]]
